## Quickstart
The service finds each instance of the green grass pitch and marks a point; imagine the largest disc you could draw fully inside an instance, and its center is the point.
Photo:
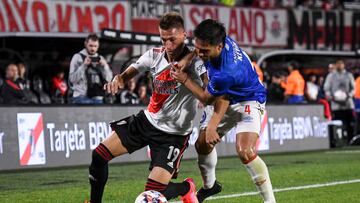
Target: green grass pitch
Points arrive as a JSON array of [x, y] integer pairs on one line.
[[126, 181]]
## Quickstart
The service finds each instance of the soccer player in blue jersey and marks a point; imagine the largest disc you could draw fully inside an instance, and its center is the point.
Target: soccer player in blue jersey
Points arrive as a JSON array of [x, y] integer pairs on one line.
[[238, 100]]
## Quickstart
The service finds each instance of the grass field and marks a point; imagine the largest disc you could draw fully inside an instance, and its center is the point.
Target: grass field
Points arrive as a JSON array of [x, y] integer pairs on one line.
[[127, 181]]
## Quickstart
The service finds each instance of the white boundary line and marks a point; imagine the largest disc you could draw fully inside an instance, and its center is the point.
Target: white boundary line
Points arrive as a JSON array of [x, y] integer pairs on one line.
[[285, 189]]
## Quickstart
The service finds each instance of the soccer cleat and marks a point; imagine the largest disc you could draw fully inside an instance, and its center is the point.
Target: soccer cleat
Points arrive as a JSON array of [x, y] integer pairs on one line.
[[203, 193], [190, 197]]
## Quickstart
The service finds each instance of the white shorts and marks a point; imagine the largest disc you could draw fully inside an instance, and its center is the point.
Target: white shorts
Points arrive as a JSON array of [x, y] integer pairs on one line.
[[245, 116]]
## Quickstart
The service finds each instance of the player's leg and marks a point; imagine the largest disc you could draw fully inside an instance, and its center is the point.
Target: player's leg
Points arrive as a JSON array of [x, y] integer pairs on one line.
[[247, 134], [121, 141], [98, 171], [159, 180], [245, 147], [166, 153], [207, 160]]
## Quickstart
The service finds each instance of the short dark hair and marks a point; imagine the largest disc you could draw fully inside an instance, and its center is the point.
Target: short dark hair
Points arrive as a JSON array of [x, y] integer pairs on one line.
[[171, 20], [92, 37], [294, 64], [210, 31]]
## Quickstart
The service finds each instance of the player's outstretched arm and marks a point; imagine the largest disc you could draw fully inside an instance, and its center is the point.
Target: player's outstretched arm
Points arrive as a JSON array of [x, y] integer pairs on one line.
[[203, 95], [120, 80]]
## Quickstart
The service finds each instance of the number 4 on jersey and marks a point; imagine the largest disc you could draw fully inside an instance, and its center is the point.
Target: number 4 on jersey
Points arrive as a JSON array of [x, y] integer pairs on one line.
[[247, 109]]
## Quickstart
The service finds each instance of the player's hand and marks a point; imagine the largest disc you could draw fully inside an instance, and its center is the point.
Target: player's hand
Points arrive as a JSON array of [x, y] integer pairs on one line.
[[185, 62], [115, 85], [87, 61], [178, 74], [211, 136]]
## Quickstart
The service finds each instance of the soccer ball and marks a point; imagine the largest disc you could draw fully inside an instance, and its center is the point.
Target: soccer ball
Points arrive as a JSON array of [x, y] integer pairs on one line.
[[151, 196]]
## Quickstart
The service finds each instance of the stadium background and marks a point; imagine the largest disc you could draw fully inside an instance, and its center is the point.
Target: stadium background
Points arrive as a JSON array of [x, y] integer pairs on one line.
[[45, 34]]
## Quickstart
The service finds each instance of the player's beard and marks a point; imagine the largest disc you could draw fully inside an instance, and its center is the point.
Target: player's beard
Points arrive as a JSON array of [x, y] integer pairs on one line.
[[174, 54]]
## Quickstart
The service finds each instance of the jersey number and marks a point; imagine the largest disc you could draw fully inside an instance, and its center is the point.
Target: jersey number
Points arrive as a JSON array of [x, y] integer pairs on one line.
[[173, 153], [247, 109]]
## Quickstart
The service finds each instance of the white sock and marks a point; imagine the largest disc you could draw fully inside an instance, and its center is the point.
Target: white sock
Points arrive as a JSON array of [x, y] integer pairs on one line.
[[259, 173], [207, 164]]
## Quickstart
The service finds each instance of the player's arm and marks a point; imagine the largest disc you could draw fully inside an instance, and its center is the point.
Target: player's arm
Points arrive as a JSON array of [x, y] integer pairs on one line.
[[203, 95], [220, 106], [185, 62], [120, 80]]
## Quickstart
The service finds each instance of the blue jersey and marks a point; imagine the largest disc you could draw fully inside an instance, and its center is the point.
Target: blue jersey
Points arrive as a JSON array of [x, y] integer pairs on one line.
[[235, 77]]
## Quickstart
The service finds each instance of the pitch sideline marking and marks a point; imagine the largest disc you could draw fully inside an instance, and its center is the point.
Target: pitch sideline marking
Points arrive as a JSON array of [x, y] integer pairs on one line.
[[285, 189]]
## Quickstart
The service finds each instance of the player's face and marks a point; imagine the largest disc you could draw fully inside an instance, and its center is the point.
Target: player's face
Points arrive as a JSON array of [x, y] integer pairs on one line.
[[173, 40], [207, 51], [92, 46]]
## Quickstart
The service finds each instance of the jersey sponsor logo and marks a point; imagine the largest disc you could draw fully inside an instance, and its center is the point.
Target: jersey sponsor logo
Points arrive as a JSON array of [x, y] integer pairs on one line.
[[248, 119], [164, 86], [199, 67]]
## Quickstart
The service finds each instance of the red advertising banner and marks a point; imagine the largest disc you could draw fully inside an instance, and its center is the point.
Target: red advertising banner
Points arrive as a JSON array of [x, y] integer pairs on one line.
[[62, 16], [248, 26]]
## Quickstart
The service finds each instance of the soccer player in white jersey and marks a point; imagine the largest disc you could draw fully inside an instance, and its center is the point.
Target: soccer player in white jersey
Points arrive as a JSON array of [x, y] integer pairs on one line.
[[239, 102], [165, 125]]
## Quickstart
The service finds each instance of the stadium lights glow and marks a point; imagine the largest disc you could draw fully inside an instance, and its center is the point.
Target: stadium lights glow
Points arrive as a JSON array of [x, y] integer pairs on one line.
[[140, 37], [155, 39], [125, 35], [357, 52], [110, 33]]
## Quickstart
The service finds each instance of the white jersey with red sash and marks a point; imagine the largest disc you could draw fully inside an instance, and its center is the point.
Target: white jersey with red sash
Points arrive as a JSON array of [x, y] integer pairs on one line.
[[172, 106]]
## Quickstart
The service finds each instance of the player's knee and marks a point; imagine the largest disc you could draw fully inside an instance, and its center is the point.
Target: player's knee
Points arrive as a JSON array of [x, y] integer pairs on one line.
[[245, 154], [202, 147], [98, 169], [101, 156]]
